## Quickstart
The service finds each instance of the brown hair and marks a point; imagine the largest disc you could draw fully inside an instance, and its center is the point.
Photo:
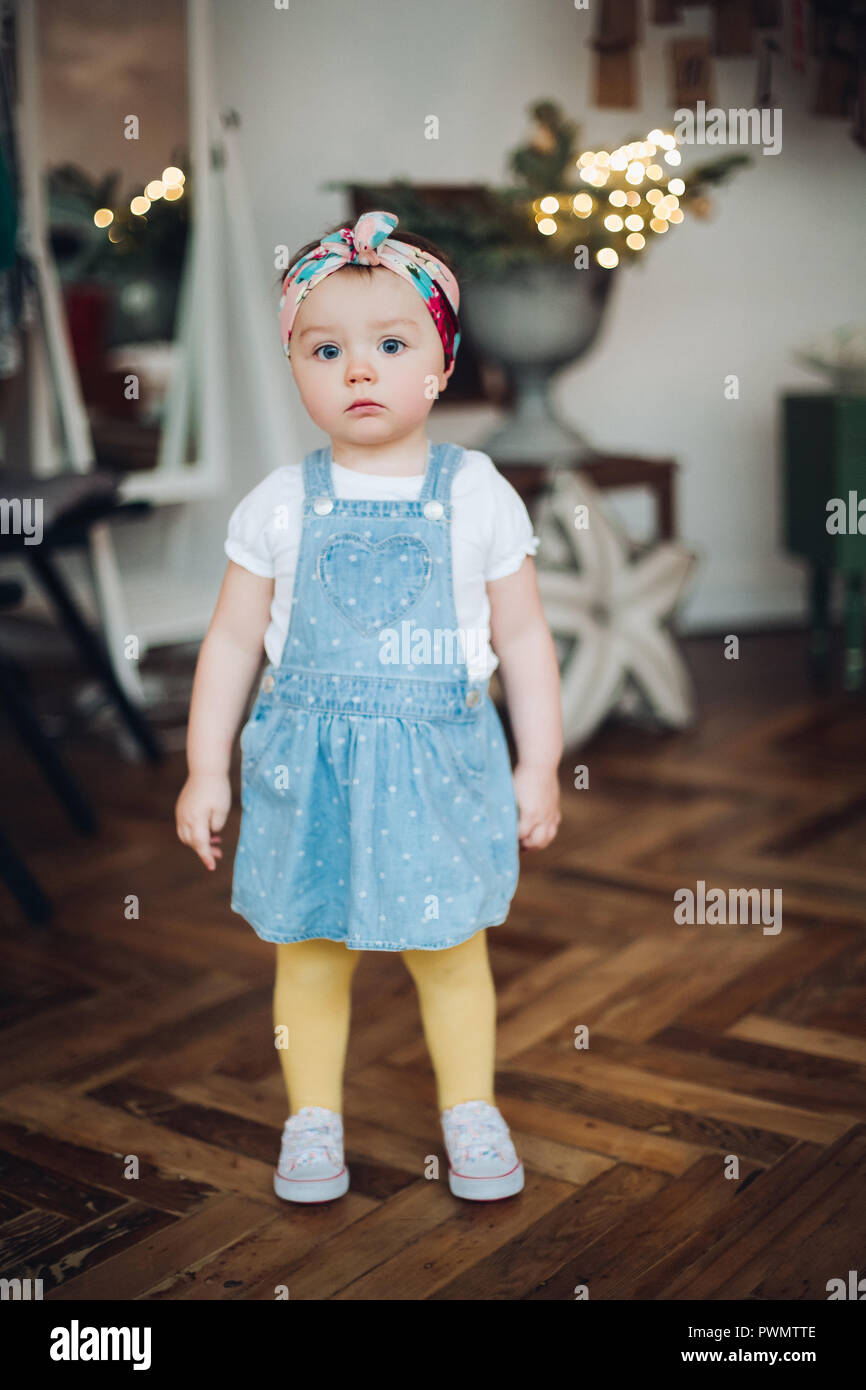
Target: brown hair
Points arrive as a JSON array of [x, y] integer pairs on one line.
[[423, 243]]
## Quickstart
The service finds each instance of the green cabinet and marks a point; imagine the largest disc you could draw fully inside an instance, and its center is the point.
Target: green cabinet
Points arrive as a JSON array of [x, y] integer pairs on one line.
[[824, 484]]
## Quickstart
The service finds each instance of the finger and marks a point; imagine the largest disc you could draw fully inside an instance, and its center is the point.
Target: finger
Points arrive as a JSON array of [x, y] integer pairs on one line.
[[191, 835], [549, 830], [535, 838], [201, 845]]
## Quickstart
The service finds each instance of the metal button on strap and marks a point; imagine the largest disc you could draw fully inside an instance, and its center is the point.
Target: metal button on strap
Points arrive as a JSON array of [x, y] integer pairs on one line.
[[322, 506], [472, 697], [268, 684], [433, 510]]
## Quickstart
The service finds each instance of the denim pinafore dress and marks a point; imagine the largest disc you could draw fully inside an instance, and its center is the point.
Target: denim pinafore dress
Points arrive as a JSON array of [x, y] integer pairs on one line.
[[378, 806]]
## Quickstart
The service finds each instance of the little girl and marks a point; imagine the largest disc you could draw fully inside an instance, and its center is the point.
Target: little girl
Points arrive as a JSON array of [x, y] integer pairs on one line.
[[379, 808]]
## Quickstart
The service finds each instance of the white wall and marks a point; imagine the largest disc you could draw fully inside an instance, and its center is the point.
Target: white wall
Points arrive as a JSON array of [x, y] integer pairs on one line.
[[336, 89]]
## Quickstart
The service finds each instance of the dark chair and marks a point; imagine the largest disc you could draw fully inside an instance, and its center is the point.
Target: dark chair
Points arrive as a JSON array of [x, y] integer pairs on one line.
[[70, 505]]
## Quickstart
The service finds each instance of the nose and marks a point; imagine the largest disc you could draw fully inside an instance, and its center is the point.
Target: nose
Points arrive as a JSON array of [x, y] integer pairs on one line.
[[359, 368], [359, 373]]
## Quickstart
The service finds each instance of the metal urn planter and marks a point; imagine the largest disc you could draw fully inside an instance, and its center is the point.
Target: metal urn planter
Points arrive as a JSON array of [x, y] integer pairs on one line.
[[532, 321]]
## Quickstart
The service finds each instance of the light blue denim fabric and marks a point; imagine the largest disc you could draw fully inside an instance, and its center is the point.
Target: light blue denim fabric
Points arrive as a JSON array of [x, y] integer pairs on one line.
[[378, 801]]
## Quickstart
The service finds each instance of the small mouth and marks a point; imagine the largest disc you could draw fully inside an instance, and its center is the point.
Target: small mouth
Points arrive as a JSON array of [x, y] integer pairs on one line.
[[365, 405]]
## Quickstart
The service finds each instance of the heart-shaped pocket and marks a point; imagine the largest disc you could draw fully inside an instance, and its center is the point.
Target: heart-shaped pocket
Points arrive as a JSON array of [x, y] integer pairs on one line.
[[371, 586]]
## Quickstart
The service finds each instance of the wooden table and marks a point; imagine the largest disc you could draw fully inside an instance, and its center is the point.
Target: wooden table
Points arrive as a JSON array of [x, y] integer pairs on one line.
[[609, 472]]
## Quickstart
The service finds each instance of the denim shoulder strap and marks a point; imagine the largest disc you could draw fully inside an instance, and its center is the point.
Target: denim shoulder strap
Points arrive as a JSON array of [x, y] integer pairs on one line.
[[317, 473], [444, 462]]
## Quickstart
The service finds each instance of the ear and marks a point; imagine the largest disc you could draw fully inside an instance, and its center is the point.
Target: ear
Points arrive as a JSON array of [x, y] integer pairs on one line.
[[447, 373]]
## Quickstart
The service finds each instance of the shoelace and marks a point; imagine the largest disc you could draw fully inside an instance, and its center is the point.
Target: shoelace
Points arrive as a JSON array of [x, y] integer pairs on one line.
[[481, 1129]]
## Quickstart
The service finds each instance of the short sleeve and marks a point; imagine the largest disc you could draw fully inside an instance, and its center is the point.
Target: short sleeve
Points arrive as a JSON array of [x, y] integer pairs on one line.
[[247, 542], [512, 538]]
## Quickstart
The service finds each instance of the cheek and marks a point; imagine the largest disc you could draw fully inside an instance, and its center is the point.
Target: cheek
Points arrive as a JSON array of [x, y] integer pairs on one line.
[[315, 386], [412, 366], [316, 397]]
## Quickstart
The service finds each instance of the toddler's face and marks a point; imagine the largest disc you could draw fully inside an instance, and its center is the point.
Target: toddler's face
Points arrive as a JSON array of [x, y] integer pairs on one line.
[[359, 336]]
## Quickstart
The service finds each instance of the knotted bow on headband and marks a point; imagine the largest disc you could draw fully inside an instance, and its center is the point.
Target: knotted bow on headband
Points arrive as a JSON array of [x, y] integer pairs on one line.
[[369, 243]]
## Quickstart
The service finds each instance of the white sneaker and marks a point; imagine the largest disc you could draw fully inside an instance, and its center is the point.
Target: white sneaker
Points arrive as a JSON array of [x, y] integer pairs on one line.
[[482, 1161], [311, 1166]]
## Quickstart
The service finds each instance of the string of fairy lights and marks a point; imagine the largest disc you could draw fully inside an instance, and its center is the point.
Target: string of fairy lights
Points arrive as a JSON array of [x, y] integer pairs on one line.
[[639, 195], [169, 186], [625, 212]]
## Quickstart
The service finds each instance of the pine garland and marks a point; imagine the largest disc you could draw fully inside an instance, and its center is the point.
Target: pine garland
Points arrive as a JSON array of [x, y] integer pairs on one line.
[[490, 231]]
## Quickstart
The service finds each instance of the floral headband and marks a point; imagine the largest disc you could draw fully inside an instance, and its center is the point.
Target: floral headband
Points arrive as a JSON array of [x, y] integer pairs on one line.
[[369, 243]]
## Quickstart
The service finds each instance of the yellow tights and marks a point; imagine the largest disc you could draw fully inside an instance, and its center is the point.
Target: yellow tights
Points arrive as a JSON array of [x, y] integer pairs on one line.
[[312, 1001]]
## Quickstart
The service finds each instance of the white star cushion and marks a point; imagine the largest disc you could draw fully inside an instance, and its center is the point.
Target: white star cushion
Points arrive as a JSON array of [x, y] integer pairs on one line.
[[614, 599]]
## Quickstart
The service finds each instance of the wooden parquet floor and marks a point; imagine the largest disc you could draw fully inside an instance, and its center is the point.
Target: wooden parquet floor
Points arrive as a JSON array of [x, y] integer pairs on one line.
[[708, 1144]]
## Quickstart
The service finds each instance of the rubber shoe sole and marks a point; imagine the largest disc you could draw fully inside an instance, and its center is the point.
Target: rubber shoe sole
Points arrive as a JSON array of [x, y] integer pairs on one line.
[[486, 1189], [311, 1189]]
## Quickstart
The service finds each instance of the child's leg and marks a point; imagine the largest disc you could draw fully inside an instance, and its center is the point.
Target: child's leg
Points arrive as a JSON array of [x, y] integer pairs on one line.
[[312, 999], [458, 1011]]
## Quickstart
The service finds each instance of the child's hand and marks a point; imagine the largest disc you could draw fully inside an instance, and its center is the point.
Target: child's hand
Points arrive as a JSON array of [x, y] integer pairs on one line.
[[537, 793], [202, 808]]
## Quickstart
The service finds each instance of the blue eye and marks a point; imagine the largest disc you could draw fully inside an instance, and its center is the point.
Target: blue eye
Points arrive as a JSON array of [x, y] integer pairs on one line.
[[326, 347]]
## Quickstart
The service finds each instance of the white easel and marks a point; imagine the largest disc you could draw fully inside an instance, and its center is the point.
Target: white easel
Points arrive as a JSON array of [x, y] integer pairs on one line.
[[222, 261]]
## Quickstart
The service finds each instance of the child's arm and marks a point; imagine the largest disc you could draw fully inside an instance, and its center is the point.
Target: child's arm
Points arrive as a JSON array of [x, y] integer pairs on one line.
[[529, 671], [230, 656]]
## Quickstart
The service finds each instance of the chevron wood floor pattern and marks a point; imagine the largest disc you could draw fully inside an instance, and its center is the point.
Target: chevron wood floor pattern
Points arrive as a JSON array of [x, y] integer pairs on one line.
[[708, 1043]]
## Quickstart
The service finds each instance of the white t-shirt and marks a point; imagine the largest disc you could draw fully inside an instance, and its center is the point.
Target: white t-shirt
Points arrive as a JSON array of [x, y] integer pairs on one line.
[[491, 534]]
